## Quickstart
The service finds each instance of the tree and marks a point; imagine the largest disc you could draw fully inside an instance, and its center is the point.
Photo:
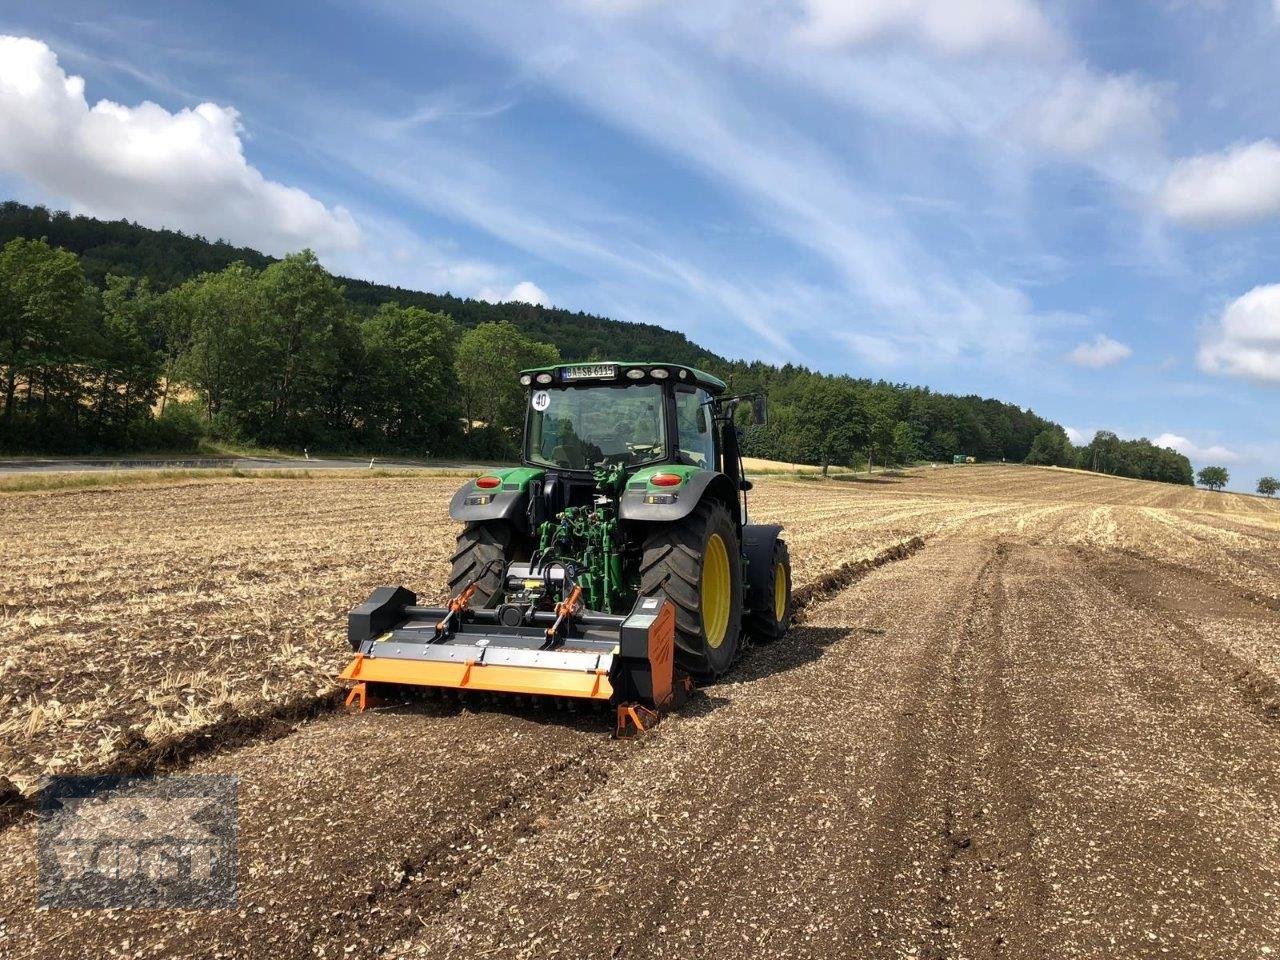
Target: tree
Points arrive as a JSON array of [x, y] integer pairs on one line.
[[1051, 448], [906, 442], [296, 350], [489, 362], [128, 365], [831, 425], [410, 376], [221, 316], [1269, 486], [1215, 478], [45, 310]]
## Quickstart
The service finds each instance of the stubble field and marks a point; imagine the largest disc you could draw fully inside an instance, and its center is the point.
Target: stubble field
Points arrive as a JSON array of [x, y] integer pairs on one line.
[[1052, 727]]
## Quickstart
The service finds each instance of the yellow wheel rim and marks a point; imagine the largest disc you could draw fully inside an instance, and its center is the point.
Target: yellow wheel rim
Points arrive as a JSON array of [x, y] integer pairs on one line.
[[715, 591], [779, 592]]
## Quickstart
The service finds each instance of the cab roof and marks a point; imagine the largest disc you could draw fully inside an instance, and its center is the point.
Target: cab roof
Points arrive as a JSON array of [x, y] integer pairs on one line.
[[680, 373]]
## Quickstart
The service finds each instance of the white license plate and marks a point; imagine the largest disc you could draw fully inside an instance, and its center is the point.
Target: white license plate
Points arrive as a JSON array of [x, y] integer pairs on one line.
[[592, 372]]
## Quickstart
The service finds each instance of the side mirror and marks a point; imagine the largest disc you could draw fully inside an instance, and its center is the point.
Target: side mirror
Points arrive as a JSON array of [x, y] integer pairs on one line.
[[759, 411]]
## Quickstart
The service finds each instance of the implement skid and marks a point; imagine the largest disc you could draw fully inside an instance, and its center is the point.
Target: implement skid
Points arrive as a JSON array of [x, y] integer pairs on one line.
[[569, 652]]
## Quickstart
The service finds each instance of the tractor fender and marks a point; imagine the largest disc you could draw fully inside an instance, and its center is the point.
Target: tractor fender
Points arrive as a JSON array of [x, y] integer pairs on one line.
[[472, 503], [665, 504], [758, 541]]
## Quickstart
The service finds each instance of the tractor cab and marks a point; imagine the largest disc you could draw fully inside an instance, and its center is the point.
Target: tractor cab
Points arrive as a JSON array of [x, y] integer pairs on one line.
[[581, 417]]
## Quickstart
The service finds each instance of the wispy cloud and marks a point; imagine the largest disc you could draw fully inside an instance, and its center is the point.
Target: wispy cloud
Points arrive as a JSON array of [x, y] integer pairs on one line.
[[1099, 352], [674, 100], [954, 27], [1212, 453]]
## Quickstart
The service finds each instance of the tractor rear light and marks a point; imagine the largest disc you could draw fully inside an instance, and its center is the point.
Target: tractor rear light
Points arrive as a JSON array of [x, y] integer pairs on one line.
[[526, 380], [666, 479], [635, 373], [488, 483], [659, 374], [543, 378]]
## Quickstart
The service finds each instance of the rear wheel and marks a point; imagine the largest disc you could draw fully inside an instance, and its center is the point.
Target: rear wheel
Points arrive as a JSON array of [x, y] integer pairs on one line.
[[773, 619], [484, 550], [696, 563]]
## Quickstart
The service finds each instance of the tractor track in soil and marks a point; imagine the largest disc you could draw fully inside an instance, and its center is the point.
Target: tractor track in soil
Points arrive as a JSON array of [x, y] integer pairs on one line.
[[987, 750], [239, 727], [1005, 746], [430, 878]]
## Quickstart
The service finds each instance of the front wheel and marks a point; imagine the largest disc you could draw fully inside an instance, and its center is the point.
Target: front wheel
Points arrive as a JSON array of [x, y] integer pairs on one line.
[[696, 563]]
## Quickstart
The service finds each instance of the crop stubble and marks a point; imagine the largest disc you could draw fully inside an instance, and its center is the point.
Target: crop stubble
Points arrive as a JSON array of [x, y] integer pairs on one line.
[[1025, 740], [133, 616]]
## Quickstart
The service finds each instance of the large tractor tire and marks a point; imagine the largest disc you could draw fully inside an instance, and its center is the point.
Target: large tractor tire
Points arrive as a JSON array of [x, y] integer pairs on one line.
[[696, 563], [773, 618], [480, 544]]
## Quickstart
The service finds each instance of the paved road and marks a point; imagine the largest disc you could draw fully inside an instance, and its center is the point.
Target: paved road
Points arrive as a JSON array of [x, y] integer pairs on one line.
[[83, 464]]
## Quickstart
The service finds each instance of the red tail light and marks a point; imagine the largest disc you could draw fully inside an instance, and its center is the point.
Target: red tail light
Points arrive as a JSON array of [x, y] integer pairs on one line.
[[488, 483], [666, 479]]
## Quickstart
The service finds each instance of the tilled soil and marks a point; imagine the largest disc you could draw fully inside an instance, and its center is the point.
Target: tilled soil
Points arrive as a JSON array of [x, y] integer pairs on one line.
[[993, 747]]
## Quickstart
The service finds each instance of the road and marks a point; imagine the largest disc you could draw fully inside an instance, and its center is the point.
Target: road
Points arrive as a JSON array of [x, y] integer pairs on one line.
[[991, 748], [87, 464]]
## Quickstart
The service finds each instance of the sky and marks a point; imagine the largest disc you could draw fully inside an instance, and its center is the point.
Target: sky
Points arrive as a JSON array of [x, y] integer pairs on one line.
[[1070, 206]]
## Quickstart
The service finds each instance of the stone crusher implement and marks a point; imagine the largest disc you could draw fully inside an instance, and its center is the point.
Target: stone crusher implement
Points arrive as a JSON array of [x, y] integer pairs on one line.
[[615, 564]]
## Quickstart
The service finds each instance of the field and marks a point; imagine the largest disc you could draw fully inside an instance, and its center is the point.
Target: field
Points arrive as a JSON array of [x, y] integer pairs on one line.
[[1030, 712]]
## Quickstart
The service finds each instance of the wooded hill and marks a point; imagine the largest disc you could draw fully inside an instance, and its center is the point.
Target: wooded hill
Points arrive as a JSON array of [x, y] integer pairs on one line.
[[100, 321]]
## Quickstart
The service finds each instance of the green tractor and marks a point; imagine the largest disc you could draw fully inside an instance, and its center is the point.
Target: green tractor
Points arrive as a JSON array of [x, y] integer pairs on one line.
[[614, 562]]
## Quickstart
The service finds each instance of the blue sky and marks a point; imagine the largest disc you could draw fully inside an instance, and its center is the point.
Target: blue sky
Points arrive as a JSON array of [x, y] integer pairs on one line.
[[1072, 206]]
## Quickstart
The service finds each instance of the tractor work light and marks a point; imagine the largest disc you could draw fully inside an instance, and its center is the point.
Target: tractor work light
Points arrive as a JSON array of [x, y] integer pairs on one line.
[[666, 479], [488, 483], [635, 373], [683, 374], [544, 378], [526, 380], [659, 374]]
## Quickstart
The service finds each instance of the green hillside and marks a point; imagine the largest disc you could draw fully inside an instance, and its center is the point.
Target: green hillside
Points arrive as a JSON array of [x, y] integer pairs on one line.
[[103, 325], [167, 258]]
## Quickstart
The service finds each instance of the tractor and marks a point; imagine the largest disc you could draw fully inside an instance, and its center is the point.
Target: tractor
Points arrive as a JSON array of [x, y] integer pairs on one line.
[[615, 563]]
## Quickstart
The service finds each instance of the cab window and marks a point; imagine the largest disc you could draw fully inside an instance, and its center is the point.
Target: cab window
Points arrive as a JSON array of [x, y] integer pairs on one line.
[[693, 421]]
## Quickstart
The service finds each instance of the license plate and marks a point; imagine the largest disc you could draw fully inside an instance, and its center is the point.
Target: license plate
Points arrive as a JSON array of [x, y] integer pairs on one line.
[[592, 372]]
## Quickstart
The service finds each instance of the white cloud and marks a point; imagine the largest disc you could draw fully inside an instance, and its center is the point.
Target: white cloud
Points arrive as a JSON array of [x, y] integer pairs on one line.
[[1214, 453], [528, 292], [1099, 352], [1239, 185], [525, 291], [953, 27], [1245, 341], [1078, 437], [185, 170], [1086, 113]]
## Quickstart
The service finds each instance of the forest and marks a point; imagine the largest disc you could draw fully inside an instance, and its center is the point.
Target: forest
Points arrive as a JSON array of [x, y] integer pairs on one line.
[[117, 337]]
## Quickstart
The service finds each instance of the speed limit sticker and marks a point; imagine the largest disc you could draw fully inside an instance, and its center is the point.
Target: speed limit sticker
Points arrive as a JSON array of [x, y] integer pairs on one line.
[[541, 400]]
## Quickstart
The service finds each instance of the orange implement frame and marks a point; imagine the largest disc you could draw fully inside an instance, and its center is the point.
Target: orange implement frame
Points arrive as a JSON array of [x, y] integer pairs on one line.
[[668, 689], [538, 681]]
